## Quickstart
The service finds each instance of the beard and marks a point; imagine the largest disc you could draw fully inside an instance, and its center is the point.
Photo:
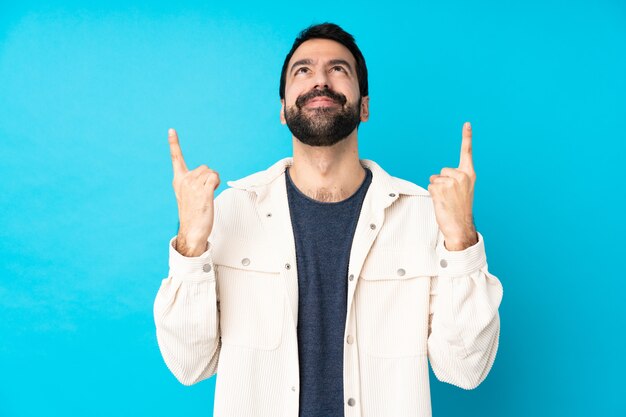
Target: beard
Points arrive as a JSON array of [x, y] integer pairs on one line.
[[322, 126]]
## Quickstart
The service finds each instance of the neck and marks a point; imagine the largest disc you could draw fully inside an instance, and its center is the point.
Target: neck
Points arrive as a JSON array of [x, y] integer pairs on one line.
[[327, 173]]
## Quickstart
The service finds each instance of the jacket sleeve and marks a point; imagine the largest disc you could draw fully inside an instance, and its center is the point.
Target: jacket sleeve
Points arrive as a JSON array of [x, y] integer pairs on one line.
[[186, 316], [464, 323]]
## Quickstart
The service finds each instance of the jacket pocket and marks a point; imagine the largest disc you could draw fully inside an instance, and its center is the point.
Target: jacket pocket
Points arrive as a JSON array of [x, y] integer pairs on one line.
[[250, 296], [392, 301]]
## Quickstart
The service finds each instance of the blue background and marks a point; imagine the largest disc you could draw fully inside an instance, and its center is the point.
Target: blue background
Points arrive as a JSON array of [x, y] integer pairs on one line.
[[87, 94]]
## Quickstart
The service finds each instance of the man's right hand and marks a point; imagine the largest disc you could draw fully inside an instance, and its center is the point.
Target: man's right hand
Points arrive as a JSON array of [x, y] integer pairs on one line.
[[194, 194]]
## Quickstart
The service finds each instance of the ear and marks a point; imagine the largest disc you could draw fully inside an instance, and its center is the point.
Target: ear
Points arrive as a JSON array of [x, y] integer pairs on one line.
[[282, 112], [365, 108]]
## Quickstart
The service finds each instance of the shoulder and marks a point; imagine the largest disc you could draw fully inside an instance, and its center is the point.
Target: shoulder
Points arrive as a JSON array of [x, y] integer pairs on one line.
[[410, 188], [394, 184]]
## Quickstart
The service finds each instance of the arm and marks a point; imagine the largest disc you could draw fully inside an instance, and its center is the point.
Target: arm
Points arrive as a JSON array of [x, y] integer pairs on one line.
[[187, 317], [464, 324], [186, 310]]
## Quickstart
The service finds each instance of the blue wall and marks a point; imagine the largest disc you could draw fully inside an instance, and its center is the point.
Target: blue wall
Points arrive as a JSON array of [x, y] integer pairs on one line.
[[87, 95]]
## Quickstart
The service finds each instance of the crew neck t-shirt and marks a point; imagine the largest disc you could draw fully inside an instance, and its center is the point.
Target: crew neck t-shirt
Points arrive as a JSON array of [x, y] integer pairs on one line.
[[323, 233]]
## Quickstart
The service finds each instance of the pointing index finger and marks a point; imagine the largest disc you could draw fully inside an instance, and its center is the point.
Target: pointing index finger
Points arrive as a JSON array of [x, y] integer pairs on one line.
[[178, 162], [466, 164]]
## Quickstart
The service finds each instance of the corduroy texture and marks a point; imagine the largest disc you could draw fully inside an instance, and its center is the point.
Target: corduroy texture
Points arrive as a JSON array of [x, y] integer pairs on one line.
[[233, 310]]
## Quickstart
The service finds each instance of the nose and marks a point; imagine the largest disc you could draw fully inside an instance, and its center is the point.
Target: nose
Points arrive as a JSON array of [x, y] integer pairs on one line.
[[321, 80]]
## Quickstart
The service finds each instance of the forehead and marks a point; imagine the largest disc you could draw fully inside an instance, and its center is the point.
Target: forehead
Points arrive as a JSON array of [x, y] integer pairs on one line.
[[324, 49]]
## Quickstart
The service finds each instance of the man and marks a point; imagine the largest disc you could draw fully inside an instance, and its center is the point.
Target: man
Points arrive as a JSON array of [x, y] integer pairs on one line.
[[322, 286]]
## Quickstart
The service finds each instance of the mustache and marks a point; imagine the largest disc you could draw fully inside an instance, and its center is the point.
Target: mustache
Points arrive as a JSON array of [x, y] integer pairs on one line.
[[336, 97]]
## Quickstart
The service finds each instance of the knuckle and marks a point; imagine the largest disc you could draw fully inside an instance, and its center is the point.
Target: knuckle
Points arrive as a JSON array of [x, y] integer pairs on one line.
[[187, 178], [213, 178]]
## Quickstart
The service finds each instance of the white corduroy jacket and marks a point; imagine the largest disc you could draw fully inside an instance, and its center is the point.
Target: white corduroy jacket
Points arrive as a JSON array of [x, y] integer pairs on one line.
[[233, 310]]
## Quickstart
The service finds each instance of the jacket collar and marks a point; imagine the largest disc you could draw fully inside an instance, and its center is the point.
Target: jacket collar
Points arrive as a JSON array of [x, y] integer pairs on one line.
[[380, 177]]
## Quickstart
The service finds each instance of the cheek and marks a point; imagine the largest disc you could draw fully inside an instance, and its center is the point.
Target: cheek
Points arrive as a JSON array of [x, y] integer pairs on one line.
[[346, 87], [291, 97], [292, 91]]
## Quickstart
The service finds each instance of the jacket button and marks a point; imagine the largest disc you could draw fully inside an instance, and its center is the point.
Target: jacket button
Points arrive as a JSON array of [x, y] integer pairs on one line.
[[351, 277], [287, 266], [351, 402], [392, 195], [293, 388], [268, 215], [245, 261], [206, 267], [372, 226], [401, 272], [443, 263], [349, 339]]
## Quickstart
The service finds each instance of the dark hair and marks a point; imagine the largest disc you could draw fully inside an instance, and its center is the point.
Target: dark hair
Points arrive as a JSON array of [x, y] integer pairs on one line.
[[333, 32]]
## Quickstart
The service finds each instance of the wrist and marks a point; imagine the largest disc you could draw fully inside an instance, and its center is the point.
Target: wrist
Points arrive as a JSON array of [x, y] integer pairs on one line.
[[190, 247], [462, 242]]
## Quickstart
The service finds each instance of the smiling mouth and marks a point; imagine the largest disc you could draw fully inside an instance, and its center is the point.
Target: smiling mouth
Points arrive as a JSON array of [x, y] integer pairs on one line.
[[321, 102]]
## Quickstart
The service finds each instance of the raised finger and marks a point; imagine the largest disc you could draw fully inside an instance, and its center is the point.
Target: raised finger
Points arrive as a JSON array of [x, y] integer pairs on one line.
[[466, 164], [178, 162]]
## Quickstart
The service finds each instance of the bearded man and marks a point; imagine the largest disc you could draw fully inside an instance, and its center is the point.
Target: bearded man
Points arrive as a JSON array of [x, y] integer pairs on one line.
[[323, 286]]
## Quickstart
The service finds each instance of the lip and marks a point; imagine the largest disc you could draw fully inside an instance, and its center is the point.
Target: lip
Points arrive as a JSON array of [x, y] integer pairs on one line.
[[321, 101]]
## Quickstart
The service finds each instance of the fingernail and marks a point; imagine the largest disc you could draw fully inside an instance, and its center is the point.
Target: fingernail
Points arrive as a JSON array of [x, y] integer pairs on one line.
[[170, 131], [468, 125]]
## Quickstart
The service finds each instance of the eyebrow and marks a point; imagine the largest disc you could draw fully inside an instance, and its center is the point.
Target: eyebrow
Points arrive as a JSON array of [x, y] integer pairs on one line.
[[308, 61]]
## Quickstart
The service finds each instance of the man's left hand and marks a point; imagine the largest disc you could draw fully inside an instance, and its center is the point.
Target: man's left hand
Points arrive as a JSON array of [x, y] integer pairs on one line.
[[453, 193]]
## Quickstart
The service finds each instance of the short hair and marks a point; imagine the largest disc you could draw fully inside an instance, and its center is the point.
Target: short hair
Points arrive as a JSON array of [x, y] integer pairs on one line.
[[333, 32]]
